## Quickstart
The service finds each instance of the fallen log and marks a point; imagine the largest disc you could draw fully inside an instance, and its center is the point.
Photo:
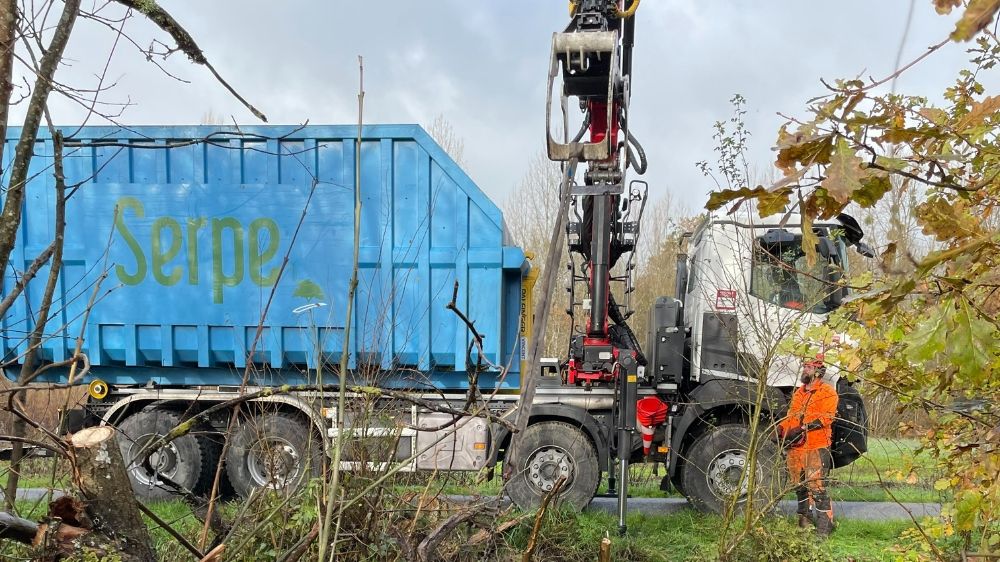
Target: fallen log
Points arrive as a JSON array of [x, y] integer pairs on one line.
[[55, 539], [16, 529]]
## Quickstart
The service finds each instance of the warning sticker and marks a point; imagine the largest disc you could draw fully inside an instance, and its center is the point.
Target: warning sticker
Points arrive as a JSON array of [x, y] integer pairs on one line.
[[725, 299]]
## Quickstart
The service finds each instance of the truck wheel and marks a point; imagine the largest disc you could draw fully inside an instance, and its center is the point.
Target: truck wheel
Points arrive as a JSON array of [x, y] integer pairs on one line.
[[275, 451], [554, 450], [186, 461], [713, 473]]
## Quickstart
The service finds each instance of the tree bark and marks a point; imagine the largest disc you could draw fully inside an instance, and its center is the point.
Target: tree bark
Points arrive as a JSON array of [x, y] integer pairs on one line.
[[104, 485], [8, 38], [55, 540], [17, 529]]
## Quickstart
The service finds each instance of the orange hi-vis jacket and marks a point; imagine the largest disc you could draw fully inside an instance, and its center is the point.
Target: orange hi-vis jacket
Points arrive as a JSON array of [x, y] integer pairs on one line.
[[814, 401]]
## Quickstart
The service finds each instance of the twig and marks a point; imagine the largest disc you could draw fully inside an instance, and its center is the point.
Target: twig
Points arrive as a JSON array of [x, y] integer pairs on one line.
[[541, 314], [345, 352], [32, 442], [185, 42], [10, 219], [215, 554], [529, 552], [930, 50], [301, 547], [428, 546]]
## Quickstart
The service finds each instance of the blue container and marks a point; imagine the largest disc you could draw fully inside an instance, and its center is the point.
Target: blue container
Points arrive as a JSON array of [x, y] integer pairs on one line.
[[192, 236]]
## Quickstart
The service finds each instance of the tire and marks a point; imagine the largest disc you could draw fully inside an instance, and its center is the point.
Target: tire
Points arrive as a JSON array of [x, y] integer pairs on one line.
[[276, 451], [554, 449], [186, 461], [712, 475]]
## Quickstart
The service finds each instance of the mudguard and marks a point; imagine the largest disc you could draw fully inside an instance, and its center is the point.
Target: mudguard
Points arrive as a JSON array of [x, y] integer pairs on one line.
[[565, 413], [719, 393]]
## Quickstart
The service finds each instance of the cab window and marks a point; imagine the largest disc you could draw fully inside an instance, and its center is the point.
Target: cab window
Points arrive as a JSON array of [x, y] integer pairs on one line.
[[781, 274]]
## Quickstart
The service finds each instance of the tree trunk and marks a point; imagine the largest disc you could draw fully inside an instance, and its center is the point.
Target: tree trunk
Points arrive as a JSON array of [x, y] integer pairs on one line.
[[8, 38], [106, 490]]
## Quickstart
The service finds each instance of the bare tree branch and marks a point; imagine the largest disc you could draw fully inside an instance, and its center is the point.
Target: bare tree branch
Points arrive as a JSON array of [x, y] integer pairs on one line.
[[185, 43], [26, 277]]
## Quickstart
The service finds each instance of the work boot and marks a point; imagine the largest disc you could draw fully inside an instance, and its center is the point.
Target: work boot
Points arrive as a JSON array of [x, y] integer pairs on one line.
[[824, 526], [805, 521]]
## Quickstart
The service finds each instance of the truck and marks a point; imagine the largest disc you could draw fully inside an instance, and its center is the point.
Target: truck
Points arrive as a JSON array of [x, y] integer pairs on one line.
[[217, 261], [190, 226]]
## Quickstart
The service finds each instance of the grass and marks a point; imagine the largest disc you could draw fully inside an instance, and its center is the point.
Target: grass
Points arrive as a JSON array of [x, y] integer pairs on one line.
[[685, 535], [690, 535], [37, 473], [569, 536], [891, 470]]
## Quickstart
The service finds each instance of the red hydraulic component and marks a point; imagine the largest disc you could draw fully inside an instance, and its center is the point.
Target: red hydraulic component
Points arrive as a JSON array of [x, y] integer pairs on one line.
[[650, 412], [575, 375], [599, 124]]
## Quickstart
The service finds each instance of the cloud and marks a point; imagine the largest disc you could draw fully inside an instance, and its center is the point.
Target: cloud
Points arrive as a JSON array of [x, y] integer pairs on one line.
[[483, 66]]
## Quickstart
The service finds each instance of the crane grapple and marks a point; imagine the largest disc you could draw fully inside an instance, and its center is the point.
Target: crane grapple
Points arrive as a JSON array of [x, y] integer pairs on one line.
[[592, 60]]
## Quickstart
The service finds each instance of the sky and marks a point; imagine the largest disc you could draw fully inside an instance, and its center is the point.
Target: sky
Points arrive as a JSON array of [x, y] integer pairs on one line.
[[483, 65]]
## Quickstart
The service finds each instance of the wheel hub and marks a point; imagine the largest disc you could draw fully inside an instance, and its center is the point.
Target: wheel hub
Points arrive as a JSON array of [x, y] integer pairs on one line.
[[274, 463], [546, 466], [161, 461], [725, 474]]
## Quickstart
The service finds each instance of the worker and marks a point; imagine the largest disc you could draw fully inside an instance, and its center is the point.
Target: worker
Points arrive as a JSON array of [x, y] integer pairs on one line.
[[806, 433], [787, 292]]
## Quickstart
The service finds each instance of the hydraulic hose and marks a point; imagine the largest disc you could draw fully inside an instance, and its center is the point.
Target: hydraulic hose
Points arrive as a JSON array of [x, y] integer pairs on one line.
[[629, 12], [616, 316], [640, 163]]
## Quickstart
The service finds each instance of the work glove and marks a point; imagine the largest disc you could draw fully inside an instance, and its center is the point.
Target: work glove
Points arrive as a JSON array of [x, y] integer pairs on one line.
[[794, 437], [778, 435]]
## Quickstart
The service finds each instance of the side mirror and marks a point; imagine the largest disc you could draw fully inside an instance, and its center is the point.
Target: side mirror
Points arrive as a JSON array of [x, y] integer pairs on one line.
[[777, 237], [864, 249], [852, 229]]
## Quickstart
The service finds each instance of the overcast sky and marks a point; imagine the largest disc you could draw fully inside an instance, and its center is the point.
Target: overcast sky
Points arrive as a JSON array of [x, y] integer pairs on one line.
[[483, 64]]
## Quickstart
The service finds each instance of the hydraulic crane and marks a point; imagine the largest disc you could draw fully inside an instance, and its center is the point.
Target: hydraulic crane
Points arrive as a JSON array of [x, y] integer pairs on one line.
[[593, 58]]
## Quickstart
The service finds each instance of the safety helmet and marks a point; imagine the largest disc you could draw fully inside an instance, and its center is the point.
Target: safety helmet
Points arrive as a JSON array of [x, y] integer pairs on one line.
[[818, 363]]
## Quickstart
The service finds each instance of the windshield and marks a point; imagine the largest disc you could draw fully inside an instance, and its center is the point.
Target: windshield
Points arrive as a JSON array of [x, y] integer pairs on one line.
[[781, 274]]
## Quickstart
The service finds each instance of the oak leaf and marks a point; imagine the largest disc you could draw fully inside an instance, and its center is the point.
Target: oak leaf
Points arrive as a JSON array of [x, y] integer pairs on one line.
[[978, 14], [945, 6], [845, 172]]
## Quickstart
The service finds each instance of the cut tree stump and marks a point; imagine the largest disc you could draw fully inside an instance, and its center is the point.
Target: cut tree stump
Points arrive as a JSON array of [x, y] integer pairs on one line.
[[99, 472]]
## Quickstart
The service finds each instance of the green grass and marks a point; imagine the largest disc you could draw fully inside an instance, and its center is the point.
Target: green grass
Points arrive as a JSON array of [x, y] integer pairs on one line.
[[568, 536], [891, 470], [38, 473], [690, 535], [686, 535]]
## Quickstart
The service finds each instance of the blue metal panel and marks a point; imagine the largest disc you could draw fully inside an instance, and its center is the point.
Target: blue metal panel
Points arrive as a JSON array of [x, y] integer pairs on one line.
[[198, 232]]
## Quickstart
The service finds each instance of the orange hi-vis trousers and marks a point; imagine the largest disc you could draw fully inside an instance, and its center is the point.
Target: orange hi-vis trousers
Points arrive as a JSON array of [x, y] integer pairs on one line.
[[809, 470]]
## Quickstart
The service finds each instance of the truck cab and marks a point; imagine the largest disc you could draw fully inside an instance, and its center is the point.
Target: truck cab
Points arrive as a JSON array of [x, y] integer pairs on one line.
[[747, 286]]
